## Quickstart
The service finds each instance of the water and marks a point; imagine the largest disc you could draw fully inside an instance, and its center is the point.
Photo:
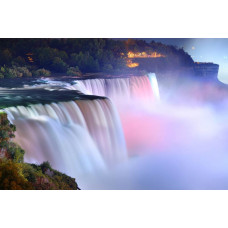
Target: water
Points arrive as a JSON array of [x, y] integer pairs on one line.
[[179, 143], [121, 90], [80, 137], [176, 142]]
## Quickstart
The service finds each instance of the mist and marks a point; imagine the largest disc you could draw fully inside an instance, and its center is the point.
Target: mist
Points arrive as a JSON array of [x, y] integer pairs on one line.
[[177, 143]]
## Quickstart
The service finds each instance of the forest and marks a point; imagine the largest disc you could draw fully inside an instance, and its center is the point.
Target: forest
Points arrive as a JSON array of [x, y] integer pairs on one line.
[[29, 57]]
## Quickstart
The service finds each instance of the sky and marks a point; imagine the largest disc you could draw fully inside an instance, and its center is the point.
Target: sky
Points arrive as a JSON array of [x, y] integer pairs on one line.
[[203, 50]]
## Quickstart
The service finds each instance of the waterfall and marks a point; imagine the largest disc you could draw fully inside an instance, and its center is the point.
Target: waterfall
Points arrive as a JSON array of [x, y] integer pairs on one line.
[[84, 135], [142, 89], [75, 137]]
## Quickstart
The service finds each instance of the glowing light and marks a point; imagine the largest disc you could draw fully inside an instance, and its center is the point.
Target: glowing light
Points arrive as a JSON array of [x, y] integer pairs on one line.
[[144, 55], [131, 64], [193, 48], [30, 59]]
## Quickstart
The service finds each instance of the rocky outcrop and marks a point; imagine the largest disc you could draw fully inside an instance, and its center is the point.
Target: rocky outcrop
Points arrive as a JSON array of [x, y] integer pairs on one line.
[[206, 70]]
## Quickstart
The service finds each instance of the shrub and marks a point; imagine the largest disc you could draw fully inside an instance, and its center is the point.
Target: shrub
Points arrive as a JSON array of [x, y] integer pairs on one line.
[[45, 166], [42, 72], [24, 71], [5, 56], [3, 70], [73, 71], [29, 173], [12, 73], [1, 75], [15, 153], [19, 61], [58, 65], [15, 72], [85, 62], [11, 177], [6, 130], [108, 68]]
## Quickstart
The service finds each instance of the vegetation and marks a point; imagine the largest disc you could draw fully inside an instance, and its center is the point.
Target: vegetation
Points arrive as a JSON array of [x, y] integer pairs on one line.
[[42, 72], [73, 71], [11, 177], [16, 175], [43, 57]]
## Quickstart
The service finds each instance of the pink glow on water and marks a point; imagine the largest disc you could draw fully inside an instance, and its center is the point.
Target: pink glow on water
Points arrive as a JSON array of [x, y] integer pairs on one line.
[[143, 131], [177, 143]]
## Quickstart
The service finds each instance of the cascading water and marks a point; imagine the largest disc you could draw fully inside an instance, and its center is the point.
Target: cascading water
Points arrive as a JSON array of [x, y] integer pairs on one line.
[[179, 143], [141, 89], [75, 137], [83, 136]]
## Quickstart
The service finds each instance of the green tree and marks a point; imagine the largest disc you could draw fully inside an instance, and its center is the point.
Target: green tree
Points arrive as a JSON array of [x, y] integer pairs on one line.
[[42, 72], [73, 71], [24, 71], [7, 148], [5, 57], [44, 56], [6, 131], [108, 68], [15, 153], [58, 65], [45, 166], [19, 61], [11, 177]]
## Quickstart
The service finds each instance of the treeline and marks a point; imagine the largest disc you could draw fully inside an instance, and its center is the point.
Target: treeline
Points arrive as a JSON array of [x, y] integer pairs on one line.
[[43, 57], [174, 56]]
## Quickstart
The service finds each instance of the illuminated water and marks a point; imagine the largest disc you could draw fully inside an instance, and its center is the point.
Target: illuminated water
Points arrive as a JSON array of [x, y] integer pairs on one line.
[[177, 143], [80, 136]]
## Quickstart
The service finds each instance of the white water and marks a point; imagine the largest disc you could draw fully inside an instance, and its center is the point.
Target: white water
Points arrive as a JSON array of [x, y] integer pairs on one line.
[[81, 138], [141, 89], [76, 137], [171, 145]]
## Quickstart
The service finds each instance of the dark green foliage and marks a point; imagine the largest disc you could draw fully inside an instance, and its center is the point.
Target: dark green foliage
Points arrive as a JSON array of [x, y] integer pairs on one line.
[[10, 149], [15, 153], [12, 73], [11, 177], [45, 166], [73, 71], [48, 58], [15, 176], [24, 71], [6, 131], [15, 71], [108, 68], [31, 173], [44, 56], [58, 65], [90, 55], [5, 56], [42, 72], [43, 177], [85, 62], [19, 61]]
